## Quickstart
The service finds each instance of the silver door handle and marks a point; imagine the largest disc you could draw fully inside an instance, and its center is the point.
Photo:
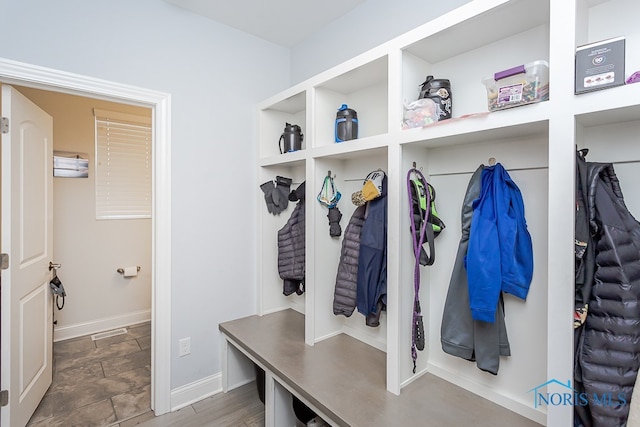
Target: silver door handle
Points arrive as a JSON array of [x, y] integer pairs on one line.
[[52, 266]]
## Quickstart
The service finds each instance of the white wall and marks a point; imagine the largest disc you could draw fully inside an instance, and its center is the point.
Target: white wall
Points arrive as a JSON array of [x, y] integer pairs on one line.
[[215, 75], [91, 250], [368, 25]]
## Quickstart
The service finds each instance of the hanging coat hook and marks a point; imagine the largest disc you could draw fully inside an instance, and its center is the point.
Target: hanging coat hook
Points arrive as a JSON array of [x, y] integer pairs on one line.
[[492, 161]]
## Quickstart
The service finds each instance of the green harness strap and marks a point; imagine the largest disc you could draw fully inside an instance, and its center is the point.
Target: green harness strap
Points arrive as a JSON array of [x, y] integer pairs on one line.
[[421, 195]]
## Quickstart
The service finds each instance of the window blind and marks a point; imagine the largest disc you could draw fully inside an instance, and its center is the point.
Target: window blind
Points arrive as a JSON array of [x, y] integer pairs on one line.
[[123, 166]]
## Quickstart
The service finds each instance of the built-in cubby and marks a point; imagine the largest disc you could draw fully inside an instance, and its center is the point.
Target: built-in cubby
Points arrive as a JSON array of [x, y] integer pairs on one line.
[[283, 414], [603, 19], [448, 168], [364, 89], [349, 171], [290, 109], [475, 49], [535, 143], [270, 289], [622, 150]]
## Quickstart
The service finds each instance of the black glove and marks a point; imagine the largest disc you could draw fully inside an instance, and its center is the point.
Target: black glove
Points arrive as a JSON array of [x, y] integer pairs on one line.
[[298, 194], [267, 188], [334, 216], [280, 195]]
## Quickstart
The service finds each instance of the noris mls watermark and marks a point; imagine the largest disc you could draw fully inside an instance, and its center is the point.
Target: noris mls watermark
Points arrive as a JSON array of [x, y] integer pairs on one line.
[[557, 393]]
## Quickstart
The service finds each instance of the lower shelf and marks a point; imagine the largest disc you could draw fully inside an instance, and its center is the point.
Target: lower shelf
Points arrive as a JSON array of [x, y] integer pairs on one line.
[[345, 379]]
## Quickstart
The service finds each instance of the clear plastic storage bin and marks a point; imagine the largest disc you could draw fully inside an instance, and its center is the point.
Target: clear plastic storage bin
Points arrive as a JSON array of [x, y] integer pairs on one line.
[[521, 85]]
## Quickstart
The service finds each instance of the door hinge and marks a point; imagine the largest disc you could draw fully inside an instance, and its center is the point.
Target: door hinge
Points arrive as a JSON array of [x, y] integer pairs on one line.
[[4, 261], [4, 125], [4, 398]]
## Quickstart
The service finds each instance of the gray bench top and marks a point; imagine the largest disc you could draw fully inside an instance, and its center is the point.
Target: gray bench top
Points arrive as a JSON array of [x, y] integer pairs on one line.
[[346, 379]]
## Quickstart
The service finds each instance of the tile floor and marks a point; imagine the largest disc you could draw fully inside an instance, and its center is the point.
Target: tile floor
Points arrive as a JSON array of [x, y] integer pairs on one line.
[[98, 383]]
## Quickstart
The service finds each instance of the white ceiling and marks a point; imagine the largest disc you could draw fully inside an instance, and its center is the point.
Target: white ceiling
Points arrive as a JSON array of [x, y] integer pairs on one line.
[[284, 22]]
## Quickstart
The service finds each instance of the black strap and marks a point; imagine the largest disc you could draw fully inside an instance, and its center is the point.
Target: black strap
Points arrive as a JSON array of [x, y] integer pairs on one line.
[[426, 221], [429, 237]]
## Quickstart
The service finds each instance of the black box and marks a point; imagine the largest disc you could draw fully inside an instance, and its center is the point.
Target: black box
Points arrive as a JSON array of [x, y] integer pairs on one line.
[[600, 65]]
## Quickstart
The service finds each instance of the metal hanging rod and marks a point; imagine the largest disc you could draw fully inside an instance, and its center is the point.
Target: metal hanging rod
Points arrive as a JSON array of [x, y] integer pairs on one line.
[[622, 162], [508, 170]]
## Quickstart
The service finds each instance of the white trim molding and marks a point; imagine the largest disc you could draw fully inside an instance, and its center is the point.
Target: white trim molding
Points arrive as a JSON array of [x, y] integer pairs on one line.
[[18, 73], [100, 325], [196, 391]]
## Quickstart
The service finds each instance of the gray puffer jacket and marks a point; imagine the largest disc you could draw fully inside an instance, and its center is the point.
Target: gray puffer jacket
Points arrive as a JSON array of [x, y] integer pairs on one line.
[[344, 299], [610, 350], [291, 246]]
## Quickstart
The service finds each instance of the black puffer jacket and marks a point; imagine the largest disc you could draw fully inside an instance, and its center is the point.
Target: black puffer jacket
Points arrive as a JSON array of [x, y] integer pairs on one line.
[[344, 299], [291, 246], [610, 348]]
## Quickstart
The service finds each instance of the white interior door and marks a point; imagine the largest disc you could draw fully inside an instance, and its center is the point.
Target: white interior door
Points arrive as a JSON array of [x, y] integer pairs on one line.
[[26, 235]]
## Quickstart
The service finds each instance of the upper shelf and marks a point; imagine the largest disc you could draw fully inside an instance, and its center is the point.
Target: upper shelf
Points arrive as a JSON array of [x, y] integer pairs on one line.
[[609, 106], [364, 89], [605, 19], [368, 83], [292, 104], [290, 108], [527, 120], [474, 29], [292, 160], [369, 74]]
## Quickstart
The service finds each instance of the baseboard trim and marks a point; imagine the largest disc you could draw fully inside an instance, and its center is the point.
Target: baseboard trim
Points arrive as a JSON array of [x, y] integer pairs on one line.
[[195, 391], [87, 328]]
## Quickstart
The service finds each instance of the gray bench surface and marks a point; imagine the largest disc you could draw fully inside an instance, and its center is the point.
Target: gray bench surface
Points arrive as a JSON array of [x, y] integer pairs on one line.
[[346, 379]]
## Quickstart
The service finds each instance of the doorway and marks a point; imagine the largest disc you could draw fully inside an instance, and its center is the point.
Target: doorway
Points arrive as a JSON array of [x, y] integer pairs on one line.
[[94, 236], [27, 75], [106, 320]]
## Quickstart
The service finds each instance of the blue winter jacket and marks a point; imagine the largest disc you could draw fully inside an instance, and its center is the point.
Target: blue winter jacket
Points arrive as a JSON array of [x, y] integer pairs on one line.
[[371, 295], [500, 254]]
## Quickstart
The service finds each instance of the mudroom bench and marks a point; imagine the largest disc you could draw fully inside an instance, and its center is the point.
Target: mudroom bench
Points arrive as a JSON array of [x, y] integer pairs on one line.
[[342, 380]]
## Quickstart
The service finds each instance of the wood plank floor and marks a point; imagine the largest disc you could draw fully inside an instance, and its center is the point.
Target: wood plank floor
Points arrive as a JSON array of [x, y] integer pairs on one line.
[[238, 408]]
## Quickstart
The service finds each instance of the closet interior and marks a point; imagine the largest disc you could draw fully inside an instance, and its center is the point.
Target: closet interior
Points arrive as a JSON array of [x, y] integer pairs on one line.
[[535, 143]]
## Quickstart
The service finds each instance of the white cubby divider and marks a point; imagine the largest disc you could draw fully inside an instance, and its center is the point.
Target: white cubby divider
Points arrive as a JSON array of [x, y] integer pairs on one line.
[[536, 144]]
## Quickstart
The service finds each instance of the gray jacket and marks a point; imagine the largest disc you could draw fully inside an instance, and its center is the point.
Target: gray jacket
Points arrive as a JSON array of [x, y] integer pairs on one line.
[[462, 336], [344, 299], [291, 246]]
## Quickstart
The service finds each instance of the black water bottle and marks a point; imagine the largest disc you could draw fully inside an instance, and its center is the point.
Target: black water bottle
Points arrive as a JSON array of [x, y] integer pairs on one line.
[[291, 139], [346, 124], [439, 91]]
